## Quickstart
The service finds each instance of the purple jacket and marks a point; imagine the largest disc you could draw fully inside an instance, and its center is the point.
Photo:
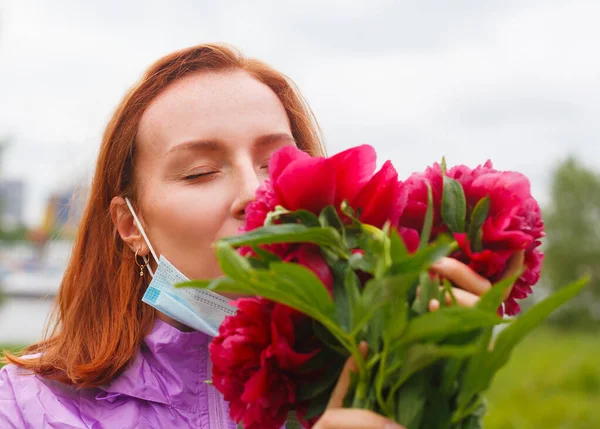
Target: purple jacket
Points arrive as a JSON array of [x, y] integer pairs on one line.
[[163, 388]]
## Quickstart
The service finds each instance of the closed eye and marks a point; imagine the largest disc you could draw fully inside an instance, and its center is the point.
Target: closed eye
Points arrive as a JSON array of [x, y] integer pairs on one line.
[[191, 177]]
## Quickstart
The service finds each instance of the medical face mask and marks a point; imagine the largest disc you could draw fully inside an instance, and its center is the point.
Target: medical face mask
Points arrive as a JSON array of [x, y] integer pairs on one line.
[[199, 309]]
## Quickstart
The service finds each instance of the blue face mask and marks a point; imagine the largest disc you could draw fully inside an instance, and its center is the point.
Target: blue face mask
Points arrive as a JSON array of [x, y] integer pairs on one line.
[[199, 309]]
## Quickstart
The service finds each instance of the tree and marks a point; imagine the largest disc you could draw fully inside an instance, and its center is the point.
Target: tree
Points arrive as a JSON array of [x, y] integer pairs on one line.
[[573, 241]]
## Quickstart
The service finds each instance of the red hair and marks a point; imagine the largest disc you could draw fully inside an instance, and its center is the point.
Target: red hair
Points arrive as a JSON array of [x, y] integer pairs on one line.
[[99, 320]]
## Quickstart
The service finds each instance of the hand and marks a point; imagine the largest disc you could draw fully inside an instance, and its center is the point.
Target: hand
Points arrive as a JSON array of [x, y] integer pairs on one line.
[[469, 285], [347, 418]]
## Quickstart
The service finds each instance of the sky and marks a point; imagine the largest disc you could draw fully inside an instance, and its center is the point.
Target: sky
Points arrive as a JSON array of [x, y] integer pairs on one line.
[[513, 81]]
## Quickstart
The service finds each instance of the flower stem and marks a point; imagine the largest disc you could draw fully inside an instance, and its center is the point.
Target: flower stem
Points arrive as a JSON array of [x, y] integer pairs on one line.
[[360, 395], [362, 387]]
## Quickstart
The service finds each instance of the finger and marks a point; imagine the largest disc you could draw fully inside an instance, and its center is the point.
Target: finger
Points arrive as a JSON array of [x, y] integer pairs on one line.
[[341, 388], [434, 305], [463, 298], [461, 275], [350, 418], [514, 267], [515, 264]]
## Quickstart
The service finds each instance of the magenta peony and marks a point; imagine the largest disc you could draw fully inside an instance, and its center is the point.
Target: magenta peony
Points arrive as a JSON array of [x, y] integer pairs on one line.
[[258, 361], [513, 223]]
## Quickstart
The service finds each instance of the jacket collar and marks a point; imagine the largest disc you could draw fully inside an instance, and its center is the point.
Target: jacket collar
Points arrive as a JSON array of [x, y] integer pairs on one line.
[[170, 368]]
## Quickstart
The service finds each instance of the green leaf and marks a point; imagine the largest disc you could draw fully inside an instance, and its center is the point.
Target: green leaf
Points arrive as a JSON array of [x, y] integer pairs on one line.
[[304, 217], [410, 401], [317, 406], [343, 308], [352, 288], [283, 215], [493, 298], [305, 281], [349, 211], [398, 249], [424, 257], [375, 327], [447, 321], [396, 316], [478, 217], [420, 356], [313, 388], [428, 221], [232, 263], [429, 290], [449, 290], [275, 214], [471, 381], [376, 259], [454, 205], [291, 284], [438, 409], [348, 401], [474, 420], [517, 330], [484, 366], [357, 261], [289, 233], [327, 338], [443, 166], [379, 292], [265, 255], [329, 217]]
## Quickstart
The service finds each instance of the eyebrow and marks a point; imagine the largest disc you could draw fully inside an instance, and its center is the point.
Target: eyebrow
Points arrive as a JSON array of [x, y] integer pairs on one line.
[[216, 145]]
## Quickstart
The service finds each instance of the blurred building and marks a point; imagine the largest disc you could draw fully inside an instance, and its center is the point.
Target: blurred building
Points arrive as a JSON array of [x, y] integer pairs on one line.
[[64, 211], [11, 203]]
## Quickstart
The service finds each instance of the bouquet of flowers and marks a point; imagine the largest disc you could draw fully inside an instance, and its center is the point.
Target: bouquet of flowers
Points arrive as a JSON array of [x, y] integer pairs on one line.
[[333, 254]]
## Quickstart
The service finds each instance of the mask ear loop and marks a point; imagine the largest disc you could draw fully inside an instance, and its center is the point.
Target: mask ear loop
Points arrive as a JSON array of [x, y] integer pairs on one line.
[[141, 228]]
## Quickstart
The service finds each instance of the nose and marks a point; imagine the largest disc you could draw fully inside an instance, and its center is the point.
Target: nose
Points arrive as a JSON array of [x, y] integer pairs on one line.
[[248, 182]]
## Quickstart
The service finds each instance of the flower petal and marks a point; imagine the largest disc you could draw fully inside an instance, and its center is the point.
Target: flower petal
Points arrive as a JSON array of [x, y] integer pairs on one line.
[[306, 184], [353, 167]]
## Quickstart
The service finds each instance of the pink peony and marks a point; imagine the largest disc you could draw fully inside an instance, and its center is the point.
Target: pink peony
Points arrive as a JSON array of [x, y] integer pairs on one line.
[[258, 354], [514, 221], [299, 181]]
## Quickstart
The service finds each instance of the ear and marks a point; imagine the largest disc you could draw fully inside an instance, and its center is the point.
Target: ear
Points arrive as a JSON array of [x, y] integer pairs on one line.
[[126, 227]]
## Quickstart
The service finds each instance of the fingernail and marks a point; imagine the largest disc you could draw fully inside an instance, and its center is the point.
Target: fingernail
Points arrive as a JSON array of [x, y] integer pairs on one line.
[[393, 425]]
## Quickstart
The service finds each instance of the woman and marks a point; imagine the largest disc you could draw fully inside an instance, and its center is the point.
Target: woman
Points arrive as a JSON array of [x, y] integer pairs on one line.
[[188, 146]]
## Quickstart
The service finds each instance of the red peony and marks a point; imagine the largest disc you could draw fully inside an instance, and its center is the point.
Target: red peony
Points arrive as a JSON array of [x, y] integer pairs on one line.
[[299, 181], [258, 360], [514, 221]]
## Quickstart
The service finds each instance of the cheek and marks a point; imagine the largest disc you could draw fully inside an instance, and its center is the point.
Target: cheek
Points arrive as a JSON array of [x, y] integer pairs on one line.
[[183, 222]]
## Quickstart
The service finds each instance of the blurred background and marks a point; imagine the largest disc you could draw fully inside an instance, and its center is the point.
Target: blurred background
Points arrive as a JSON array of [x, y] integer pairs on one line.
[[513, 81]]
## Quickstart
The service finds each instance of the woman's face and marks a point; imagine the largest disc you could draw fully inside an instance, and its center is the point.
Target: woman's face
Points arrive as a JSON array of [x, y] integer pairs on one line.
[[203, 148]]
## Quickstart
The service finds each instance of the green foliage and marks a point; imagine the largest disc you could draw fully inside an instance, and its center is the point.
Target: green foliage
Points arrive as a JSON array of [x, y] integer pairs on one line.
[[480, 213], [454, 205], [573, 241], [18, 234], [13, 348], [418, 360]]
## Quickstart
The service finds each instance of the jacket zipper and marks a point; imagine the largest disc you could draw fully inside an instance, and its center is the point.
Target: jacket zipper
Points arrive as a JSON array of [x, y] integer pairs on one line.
[[216, 413]]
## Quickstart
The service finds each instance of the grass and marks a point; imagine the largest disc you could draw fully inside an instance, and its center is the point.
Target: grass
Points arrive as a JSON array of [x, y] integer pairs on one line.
[[551, 382], [10, 347]]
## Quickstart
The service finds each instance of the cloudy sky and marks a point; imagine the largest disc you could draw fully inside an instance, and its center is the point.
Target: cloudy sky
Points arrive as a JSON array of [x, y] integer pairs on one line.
[[514, 81]]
